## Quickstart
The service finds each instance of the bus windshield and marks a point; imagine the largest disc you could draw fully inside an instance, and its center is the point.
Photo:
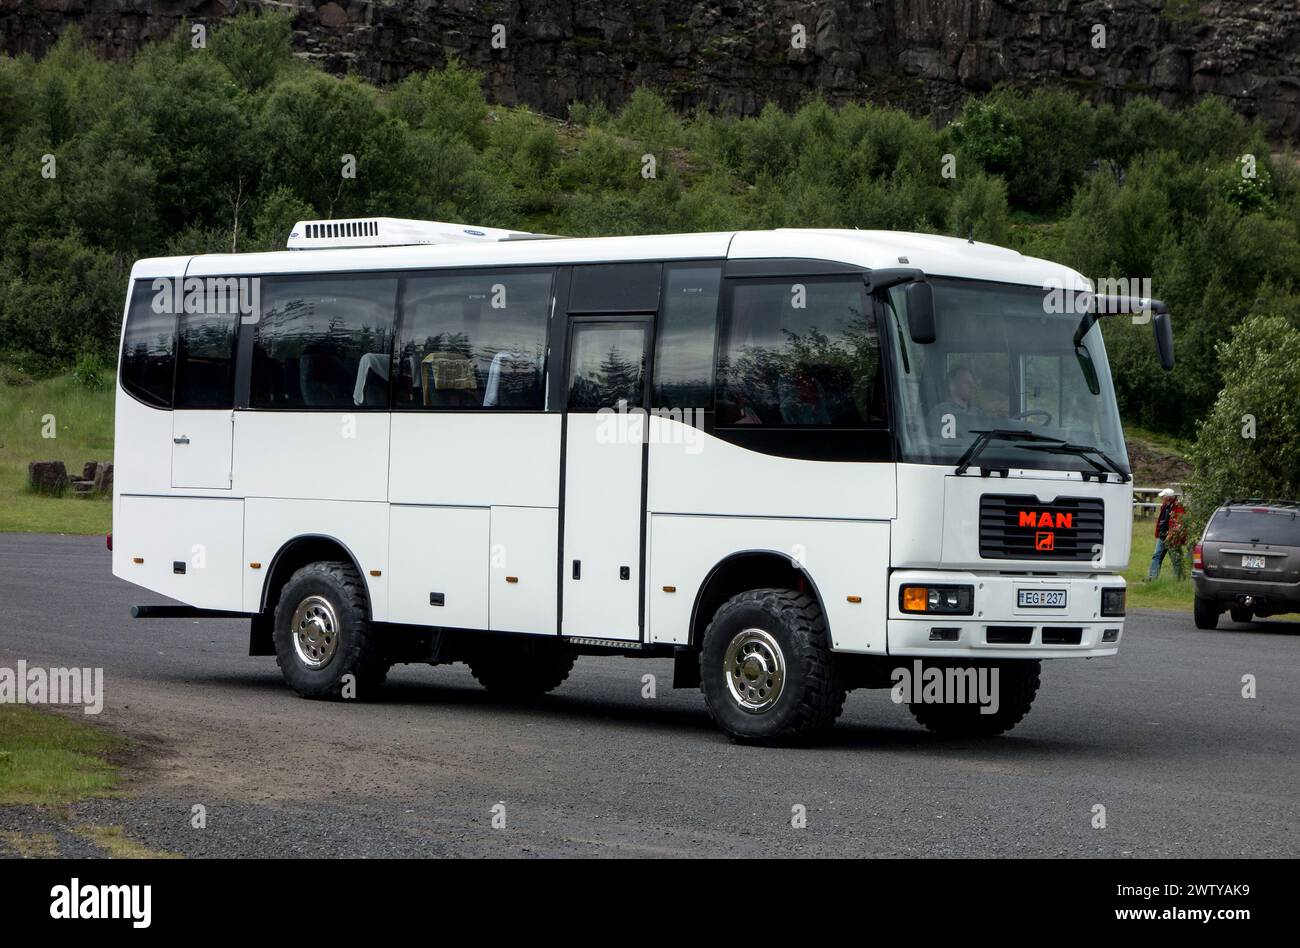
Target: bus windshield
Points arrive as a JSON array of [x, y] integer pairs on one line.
[[1004, 359]]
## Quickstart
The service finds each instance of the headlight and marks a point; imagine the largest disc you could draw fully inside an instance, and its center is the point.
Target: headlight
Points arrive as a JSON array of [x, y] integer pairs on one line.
[[1112, 601], [937, 600]]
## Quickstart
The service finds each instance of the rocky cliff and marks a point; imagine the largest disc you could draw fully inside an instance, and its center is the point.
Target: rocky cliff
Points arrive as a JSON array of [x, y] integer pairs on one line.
[[923, 55]]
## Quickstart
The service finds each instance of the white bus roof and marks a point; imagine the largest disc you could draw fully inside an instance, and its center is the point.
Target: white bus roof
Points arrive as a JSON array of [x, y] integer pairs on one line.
[[871, 249]]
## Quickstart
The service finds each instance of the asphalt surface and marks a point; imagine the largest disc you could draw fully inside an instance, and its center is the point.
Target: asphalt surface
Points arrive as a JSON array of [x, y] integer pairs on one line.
[[1160, 736]]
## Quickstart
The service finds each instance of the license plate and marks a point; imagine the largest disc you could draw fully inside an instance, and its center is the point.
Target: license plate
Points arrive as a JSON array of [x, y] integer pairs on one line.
[[1252, 562], [1040, 598]]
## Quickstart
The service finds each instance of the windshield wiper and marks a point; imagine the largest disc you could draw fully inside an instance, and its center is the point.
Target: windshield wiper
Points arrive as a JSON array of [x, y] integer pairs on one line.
[[1089, 453], [988, 435], [1099, 459]]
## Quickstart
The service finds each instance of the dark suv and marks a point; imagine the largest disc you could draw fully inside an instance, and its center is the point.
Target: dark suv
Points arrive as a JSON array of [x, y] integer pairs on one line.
[[1248, 562]]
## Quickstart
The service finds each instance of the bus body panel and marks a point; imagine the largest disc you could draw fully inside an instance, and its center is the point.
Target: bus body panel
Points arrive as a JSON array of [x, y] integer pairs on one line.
[[696, 473], [844, 559], [142, 442], [202, 449], [438, 572], [312, 455], [601, 564], [188, 548], [475, 458], [522, 588], [360, 527], [944, 509]]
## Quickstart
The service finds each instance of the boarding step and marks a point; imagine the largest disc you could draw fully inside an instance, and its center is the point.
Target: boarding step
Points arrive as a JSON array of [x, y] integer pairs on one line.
[[620, 644]]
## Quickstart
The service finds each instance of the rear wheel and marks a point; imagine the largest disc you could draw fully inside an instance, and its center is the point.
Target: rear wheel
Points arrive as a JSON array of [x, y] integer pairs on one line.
[[1016, 686], [767, 671], [1242, 615], [520, 669], [323, 641], [1206, 613]]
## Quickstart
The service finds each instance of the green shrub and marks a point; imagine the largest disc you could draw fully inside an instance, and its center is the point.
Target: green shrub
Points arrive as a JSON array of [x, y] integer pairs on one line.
[[1249, 443], [89, 372]]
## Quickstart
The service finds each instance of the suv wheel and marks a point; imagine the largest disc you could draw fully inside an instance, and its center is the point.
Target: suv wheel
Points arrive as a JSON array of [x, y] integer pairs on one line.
[[1242, 614], [1206, 613]]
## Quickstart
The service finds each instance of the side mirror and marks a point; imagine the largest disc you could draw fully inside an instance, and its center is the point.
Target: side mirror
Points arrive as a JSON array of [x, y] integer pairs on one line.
[[920, 312], [1163, 328]]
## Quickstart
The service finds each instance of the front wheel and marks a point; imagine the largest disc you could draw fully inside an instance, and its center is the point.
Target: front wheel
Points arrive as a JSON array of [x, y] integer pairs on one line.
[[1206, 613], [1014, 688], [323, 642], [767, 671]]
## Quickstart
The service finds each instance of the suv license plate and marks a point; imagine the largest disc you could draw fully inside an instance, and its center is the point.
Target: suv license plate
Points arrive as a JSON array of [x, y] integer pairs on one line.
[[1040, 598], [1252, 562]]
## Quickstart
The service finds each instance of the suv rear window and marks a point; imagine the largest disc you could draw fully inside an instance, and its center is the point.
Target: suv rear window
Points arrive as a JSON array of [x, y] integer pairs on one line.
[[1254, 525]]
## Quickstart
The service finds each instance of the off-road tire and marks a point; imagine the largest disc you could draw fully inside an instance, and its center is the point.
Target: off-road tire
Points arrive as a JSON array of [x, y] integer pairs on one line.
[[1018, 681], [1243, 616], [811, 694], [520, 669], [357, 666]]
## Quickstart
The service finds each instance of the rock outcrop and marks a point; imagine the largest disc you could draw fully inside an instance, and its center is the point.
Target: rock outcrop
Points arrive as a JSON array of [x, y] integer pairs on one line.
[[923, 55]]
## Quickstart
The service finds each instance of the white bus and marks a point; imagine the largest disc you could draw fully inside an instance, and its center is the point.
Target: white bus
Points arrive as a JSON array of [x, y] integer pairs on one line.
[[793, 461]]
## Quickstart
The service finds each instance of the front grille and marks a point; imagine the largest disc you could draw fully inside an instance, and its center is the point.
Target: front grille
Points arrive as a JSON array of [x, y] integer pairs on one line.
[[1020, 527]]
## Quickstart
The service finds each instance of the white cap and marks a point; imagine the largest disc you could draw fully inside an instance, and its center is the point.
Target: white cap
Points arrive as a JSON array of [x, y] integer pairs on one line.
[[1168, 492]]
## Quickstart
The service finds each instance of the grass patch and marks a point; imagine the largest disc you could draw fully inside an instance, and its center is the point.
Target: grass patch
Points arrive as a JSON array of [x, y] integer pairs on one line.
[[83, 431], [30, 845], [117, 845], [46, 758], [1167, 592]]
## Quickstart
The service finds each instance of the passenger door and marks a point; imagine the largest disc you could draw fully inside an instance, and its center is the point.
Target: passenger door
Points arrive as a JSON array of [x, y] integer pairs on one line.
[[604, 459], [203, 416]]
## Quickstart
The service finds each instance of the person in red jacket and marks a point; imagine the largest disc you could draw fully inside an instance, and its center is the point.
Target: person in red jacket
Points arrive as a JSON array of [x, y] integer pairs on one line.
[[1171, 535]]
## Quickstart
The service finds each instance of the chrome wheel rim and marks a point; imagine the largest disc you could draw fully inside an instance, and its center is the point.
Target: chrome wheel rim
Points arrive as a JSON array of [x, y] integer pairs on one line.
[[754, 669], [315, 631]]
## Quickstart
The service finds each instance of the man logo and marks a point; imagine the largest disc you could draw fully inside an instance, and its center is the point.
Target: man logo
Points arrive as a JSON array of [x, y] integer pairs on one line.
[[1044, 518], [1044, 542]]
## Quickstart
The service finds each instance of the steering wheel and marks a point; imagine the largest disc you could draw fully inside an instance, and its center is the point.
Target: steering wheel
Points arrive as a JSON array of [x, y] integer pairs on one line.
[[1045, 415]]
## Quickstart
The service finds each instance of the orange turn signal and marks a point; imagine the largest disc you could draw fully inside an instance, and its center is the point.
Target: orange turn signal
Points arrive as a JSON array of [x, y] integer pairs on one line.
[[914, 598]]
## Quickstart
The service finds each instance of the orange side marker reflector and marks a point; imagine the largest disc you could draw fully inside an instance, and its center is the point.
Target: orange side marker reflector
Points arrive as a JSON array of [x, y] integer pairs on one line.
[[855, 599], [512, 579], [375, 572], [137, 559], [670, 589], [254, 565]]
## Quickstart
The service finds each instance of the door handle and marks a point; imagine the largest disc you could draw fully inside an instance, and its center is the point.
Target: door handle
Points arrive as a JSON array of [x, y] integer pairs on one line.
[[183, 439]]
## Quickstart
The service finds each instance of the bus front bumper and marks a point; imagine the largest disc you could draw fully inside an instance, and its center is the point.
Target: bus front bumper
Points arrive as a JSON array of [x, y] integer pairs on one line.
[[1004, 622]]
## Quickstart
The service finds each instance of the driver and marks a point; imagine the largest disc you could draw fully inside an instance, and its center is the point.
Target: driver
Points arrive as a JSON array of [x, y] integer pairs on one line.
[[960, 401]]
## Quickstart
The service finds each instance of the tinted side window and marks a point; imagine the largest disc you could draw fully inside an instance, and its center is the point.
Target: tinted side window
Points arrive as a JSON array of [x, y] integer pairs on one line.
[[149, 344], [683, 366], [800, 352], [324, 342], [473, 339], [205, 352], [607, 366]]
